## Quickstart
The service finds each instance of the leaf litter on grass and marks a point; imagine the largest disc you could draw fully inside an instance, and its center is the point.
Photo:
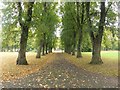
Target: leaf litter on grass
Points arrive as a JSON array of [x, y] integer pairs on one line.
[[11, 71], [108, 68]]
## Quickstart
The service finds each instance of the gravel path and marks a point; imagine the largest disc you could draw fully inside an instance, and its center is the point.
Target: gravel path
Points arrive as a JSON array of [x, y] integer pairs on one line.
[[62, 74]]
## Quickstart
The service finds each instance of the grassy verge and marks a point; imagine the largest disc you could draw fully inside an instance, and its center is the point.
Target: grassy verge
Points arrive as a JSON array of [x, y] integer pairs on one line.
[[112, 55], [12, 71], [109, 68]]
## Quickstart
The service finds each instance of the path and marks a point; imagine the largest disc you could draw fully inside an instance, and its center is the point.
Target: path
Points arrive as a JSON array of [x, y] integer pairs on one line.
[[62, 74]]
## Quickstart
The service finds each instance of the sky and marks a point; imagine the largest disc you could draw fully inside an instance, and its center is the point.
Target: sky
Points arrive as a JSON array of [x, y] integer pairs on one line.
[[58, 30]]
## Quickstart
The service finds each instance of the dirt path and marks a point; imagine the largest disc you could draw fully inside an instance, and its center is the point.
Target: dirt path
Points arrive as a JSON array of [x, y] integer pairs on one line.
[[62, 74]]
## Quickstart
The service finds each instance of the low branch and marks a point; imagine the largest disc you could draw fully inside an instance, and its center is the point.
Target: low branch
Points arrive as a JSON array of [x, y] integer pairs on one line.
[[89, 20], [20, 14]]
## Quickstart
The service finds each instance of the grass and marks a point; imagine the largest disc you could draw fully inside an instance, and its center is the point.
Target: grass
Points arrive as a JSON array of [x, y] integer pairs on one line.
[[113, 55], [108, 68], [9, 69]]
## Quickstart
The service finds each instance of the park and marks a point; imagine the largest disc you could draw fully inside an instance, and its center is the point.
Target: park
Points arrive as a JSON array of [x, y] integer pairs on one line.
[[59, 45]]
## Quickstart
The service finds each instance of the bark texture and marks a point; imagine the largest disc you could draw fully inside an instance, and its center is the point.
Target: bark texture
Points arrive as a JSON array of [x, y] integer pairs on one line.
[[96, 39], [74, 44], [39, 49], [80, 27], [44, 39], [21, 60]]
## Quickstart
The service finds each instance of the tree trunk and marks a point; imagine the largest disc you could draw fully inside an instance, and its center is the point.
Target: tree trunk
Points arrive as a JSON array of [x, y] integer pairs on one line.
[[80, 25], [69, 50], [96, 39], [79, 54], [50, 49], [39, 52], [21, 60], [74, 44], [39, 49], [7, 49], [44, 36], [43, 50], [73, 52], [96, 56], [65, 49], [46, 48]]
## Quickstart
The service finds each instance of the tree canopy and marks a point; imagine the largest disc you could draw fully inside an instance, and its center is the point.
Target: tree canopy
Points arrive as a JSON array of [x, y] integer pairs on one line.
[[85, 27]]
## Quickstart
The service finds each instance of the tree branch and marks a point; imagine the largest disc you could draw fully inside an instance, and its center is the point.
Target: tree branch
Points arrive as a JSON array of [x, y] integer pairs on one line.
[[20, 14], [29, 12], [89, 20], [108, 8]]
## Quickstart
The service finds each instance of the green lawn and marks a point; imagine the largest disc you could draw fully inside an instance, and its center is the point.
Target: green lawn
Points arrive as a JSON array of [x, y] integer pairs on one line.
[[109, 66], [113, 55]]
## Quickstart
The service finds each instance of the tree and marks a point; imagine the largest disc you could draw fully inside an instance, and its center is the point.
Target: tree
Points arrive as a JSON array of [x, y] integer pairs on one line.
[[68, 35], [96, 37], [80, 27], [79, 20], [21, 60], [10, 33], [73, 21], [45, 21]]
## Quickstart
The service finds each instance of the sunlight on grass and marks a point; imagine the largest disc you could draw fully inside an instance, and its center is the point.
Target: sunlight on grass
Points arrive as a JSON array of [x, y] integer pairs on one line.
[[109, 67], [12, 71], [106, 54], [113, 55]]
